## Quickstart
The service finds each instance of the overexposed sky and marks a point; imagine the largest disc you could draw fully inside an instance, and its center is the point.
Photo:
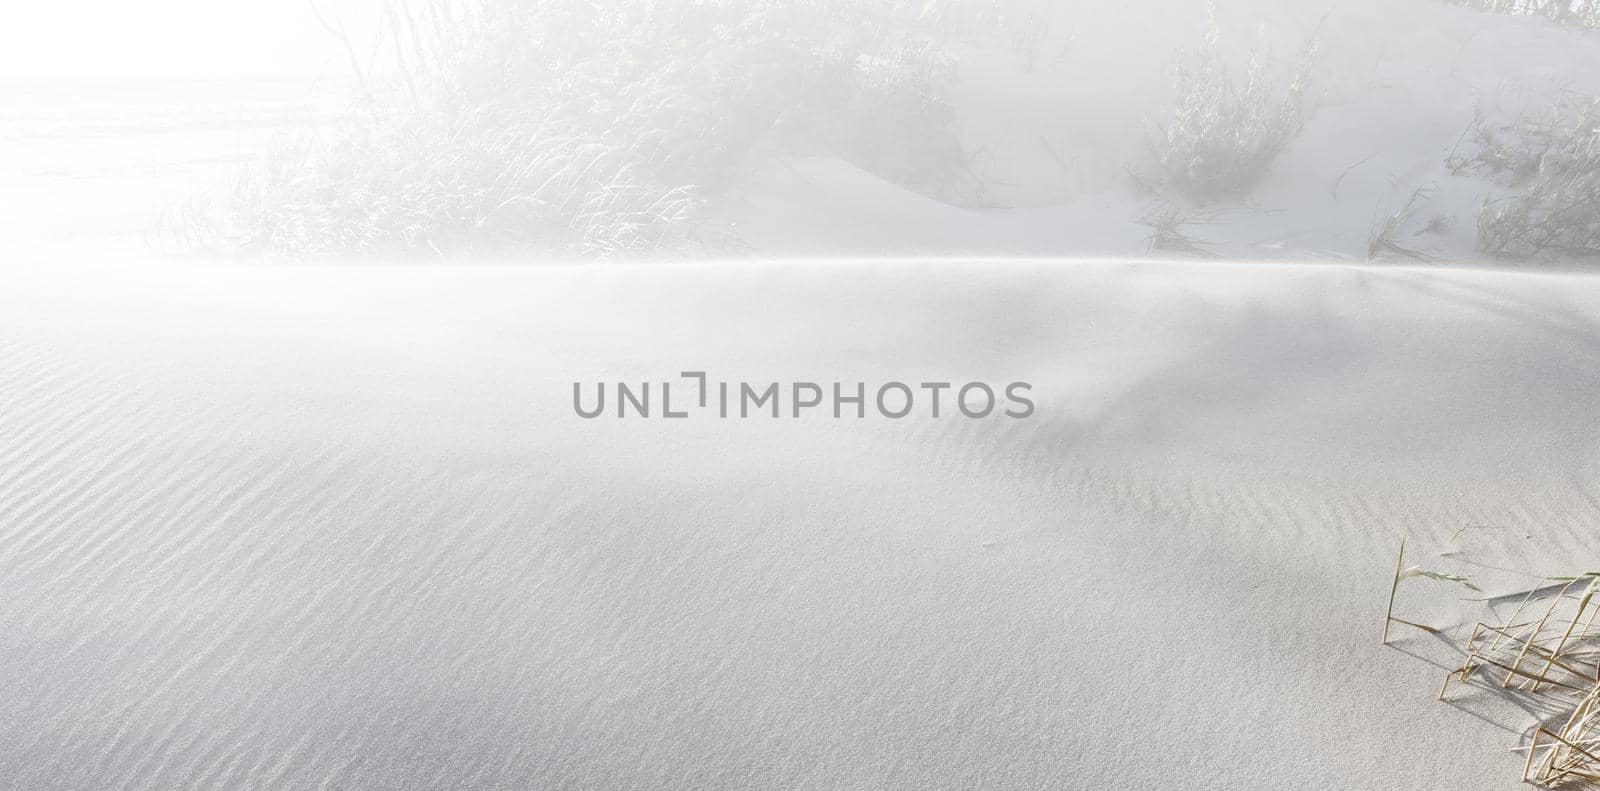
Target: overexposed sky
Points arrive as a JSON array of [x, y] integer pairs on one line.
[[42, 40]]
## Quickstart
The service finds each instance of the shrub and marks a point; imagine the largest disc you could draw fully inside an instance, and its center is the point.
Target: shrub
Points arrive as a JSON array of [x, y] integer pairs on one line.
[[1227, 129], [1553, 170], [563, 127]]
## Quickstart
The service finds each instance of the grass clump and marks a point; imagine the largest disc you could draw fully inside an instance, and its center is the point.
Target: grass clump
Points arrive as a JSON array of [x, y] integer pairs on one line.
[[1551, 168], [1393, 236], [561, 127], [1227, 129], [1168, 226]]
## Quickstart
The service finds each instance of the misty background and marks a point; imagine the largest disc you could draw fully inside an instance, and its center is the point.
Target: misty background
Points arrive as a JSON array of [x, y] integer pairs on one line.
[[1421, 130]]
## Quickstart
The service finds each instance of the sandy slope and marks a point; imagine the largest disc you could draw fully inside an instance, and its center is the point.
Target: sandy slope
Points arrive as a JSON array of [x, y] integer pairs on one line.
[[283, 528]]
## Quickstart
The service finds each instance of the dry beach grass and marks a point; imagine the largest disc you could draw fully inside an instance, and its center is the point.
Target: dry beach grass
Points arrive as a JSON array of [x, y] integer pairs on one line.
[[565, 129]]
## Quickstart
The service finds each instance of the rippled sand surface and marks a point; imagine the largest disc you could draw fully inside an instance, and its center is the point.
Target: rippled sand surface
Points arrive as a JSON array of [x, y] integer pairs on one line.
[[340, 527]]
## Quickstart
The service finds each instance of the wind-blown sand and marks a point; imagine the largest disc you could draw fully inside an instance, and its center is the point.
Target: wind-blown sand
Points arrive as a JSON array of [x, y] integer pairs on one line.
[[340, 527]]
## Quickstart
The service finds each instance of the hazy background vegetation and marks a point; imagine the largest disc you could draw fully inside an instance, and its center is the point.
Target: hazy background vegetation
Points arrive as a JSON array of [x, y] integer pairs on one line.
[[1413, 130], [601, 129]]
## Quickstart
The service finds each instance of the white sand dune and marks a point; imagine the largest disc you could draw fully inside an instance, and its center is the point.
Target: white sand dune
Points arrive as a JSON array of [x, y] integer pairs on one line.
[[340, 527]]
